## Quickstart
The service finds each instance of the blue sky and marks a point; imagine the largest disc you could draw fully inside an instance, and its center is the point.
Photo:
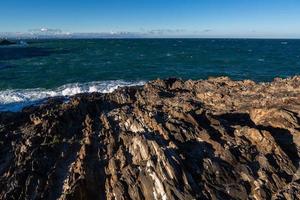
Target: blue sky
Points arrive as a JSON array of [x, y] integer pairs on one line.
[[224, 18]]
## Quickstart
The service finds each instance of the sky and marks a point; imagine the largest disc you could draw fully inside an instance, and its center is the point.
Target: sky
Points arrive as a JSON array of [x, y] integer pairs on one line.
[[203, 18]]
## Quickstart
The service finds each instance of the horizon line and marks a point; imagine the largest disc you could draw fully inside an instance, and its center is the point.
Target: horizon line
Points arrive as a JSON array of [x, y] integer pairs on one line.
[[56, 33], [158, 37]]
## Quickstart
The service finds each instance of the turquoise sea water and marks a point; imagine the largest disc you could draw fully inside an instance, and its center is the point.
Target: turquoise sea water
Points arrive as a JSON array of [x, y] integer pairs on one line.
[[66, 67]]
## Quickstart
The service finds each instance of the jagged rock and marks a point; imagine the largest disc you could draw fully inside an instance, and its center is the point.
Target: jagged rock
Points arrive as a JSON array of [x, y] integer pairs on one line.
[[168, 139]]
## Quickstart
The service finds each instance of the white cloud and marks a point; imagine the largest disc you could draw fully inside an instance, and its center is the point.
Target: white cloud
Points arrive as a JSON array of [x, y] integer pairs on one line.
[[46, 31]]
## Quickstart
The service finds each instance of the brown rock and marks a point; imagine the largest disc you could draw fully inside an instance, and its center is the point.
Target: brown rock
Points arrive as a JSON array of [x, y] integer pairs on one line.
[[168, 139]]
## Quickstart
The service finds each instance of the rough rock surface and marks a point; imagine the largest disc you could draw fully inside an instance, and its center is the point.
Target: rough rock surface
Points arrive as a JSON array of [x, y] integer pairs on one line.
[[171, 139]]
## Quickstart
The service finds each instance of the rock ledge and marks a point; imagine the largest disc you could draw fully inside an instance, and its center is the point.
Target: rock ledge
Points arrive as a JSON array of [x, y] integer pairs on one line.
[[168, 139]]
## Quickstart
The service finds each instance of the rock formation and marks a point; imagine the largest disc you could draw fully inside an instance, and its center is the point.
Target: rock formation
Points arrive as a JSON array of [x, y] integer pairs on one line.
[[6, 42], [168, 139]]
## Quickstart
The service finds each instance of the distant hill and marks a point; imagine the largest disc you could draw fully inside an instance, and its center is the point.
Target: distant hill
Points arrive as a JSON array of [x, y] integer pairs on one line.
[[6, 42]]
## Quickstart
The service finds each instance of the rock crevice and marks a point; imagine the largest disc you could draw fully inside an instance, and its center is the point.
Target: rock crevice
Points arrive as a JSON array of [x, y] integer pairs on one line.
[[168, 139]]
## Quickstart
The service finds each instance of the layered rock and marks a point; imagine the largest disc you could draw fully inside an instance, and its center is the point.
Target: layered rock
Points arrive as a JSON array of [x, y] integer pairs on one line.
[[168, 139]]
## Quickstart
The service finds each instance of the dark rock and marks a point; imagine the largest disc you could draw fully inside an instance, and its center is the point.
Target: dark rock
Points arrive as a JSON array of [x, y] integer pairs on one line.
[[172, 139], [6, 42]]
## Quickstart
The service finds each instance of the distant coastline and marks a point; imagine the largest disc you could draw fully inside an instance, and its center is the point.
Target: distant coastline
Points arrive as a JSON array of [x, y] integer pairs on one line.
[[151, 34]]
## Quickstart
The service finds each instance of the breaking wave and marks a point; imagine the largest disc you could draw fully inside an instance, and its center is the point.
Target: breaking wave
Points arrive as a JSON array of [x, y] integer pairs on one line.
[[16, 99]]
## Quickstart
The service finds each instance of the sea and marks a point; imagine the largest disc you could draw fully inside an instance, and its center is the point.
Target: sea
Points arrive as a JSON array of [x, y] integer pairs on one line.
[[38, 69]]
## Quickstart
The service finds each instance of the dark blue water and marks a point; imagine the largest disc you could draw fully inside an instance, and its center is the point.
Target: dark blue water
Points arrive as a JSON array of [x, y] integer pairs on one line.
[[57, 65]]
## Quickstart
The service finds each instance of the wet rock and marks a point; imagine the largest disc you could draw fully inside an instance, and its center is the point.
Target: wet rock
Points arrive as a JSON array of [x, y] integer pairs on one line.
[[168, 139]]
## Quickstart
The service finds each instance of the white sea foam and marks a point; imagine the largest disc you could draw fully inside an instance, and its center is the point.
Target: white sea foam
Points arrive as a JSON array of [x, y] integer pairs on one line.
[[15, 100]]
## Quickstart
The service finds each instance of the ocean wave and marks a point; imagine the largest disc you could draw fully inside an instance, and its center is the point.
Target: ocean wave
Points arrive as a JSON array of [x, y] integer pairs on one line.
[[16, 99]]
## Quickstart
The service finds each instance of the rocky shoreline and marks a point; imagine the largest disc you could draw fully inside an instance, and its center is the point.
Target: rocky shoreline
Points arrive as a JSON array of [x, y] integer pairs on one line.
[[168, 139]]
